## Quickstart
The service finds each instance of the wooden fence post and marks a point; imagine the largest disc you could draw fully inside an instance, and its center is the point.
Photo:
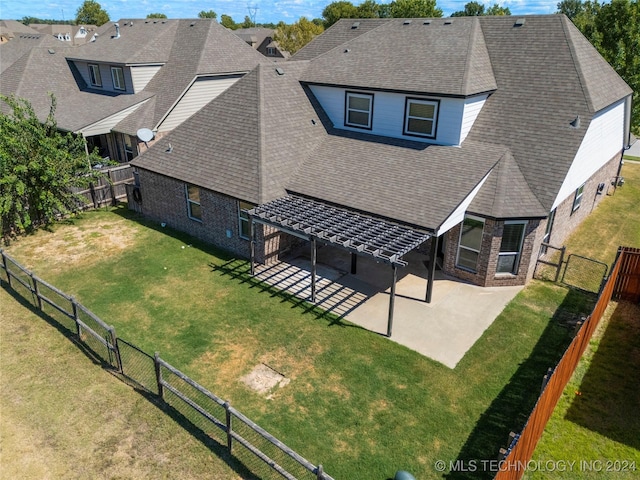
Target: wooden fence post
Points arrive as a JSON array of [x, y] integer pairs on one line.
[[320, 472], [545, 379], [74, 308], [112, 189], [92, 191], [229, 425], [6, 269], [156, 362], [36, 290]]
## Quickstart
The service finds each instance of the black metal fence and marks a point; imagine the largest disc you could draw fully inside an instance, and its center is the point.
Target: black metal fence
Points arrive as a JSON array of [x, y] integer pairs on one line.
[[246, 440], [576, 271]]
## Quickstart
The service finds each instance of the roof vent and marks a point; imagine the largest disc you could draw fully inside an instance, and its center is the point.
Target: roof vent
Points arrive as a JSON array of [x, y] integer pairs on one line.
[[407, 22], [427, 22], [131, 23], [347, 50], [279, 71], [117, 25], [51, 51], [355, 25], [448, 21], [192, 24], [576, 122], [519, 22]]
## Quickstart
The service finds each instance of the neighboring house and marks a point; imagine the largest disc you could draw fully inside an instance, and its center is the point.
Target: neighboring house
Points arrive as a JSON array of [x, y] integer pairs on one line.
[[74, 34], [506, 134], [10, 29], [262, 40], [135, 74]]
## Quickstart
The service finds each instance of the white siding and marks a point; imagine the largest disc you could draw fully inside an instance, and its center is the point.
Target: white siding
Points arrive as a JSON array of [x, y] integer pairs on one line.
[[458, 214], [106, 124], [472, 107], [603, 140], [201, 92], [388, 114], [141, 75]]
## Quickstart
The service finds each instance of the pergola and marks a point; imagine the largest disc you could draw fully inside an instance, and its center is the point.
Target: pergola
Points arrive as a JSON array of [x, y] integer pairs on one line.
[[360, 234]]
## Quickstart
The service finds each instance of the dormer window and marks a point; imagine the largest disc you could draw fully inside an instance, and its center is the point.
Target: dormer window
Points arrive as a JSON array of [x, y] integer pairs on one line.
[[271, 51], [358, 110], [94, 75], [421, 117], [117, 75]]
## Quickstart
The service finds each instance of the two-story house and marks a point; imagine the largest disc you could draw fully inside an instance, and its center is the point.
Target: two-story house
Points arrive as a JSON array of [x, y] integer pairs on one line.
[[262, 40], [135, 74], [485, 135]]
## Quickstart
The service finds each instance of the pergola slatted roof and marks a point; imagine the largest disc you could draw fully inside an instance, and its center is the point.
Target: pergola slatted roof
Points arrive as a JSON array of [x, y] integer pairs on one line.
[[353, 231]]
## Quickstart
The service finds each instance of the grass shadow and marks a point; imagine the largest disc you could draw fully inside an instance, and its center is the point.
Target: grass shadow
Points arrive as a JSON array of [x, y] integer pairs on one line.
[[511, 408], [609, 398]]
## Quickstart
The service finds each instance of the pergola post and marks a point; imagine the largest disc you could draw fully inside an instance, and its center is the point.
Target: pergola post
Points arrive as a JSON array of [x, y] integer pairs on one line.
[[392, 298], [354, 263], [313, 269], [252, 234], [432, 268]]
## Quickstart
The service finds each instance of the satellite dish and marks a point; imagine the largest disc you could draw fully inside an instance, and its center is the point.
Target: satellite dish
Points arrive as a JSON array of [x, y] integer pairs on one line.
[[145, 134]]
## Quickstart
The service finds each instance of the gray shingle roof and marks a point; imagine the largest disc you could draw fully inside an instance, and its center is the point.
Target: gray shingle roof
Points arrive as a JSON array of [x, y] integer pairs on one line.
[[260, 138], [446, 56], [21, 45], [258, 127], [540, 90]]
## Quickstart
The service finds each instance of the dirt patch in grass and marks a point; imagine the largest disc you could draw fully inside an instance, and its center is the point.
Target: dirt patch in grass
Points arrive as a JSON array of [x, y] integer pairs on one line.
[[83, 243], [263, 379]]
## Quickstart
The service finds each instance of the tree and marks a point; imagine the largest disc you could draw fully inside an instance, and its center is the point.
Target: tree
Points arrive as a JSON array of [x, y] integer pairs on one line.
[[38, 165], [248, 23], [496, 9], [471, 9], [156, 15], [337, 10], [292, 38], [91, 13], [570, 8], [227, 22], [415, 9], [368, 9], [207, 14]]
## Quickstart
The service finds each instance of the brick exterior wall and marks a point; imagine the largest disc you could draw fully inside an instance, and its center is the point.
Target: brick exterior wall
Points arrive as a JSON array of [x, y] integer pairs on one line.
[[566, 220], [164, 200]]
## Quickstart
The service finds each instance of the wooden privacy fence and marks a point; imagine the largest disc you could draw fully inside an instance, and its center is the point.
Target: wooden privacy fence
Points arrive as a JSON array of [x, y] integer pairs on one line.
[[620, 284], [109, 189], [204, 410]]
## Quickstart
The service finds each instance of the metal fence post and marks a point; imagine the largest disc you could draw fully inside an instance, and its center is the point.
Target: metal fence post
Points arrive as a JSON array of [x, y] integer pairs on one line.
[[156, 362], [320, 473], [116, 350], [229, 425], [562, 251]]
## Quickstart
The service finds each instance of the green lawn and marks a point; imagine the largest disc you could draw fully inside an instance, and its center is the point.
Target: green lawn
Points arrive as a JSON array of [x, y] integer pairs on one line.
[[359, 404], [596, 423]]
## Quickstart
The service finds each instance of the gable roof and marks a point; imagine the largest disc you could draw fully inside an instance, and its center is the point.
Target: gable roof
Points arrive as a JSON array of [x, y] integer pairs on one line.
[[260, 123], [21, 45], [397, 54]]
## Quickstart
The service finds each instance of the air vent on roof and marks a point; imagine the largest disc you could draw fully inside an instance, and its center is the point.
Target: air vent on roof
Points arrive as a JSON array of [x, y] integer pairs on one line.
[[192, 24], [575, 123], [407, 22], [51, 51], [279, 71], [355, 25], [427, 22], [519, 22], [347, 50], [448, 21]]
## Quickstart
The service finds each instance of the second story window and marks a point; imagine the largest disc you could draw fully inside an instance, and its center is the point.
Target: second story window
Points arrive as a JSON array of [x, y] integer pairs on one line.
[[358, 110], [271, 51], [94, 75], [117, 75], [420, 117]]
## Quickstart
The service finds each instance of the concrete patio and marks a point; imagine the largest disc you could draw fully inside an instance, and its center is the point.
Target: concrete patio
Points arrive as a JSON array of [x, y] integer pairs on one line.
[[443, 330]]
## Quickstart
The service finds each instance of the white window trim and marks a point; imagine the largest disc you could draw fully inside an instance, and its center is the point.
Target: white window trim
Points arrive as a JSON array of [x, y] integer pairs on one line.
[[347, 110], [407, 117], [114, 76], [473, 217], [192, 202], [577, 199], [242, 219], [95, 78], [518, 254]]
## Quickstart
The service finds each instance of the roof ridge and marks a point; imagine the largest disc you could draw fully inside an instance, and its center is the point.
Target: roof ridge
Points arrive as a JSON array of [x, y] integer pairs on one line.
[[472, 36], [576, 61]]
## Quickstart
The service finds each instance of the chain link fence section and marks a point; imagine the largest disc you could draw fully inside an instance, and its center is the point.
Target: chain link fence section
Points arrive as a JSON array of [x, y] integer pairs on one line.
[[137, 366], [584, 273]]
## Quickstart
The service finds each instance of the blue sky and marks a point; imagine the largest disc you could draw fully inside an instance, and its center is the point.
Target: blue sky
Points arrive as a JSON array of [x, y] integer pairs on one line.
[[266, 10]]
